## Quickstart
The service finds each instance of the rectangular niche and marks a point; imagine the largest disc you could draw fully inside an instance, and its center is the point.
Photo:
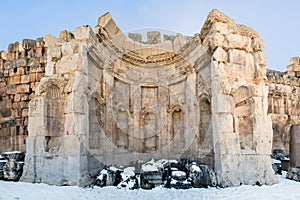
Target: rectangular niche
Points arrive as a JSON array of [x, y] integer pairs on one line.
[[149, 97]]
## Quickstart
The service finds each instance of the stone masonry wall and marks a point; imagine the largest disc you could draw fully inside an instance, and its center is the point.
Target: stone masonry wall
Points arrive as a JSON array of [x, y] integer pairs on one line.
[[21, 69], [102, 90], [284, 103], [242, 130]]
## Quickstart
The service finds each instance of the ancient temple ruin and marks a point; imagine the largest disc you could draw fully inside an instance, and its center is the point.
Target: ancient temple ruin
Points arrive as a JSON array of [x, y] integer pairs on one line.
[[99, 96]]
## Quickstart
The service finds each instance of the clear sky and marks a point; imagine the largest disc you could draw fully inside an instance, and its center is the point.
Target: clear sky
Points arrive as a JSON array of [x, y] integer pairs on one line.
[[277, 21]]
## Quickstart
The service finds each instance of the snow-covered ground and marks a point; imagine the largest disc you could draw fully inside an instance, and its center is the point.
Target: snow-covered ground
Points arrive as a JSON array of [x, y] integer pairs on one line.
[[285, 189]]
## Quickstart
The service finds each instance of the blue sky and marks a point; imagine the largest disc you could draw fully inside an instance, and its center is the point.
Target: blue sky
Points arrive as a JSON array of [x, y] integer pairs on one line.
[[277, 22]]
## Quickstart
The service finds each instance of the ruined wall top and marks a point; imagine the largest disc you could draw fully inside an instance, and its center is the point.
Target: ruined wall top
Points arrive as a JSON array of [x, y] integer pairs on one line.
[[216, 16], [293, 69], [289, 77]]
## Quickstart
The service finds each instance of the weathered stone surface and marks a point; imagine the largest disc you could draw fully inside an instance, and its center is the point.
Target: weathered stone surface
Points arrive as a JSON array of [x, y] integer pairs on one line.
[[11, 165], [108, 99], [295, 146], [293, 174], [135, 36], [220, 55], [19, 78], [236, 41], [12, 170], [151, 175], [153, 37]]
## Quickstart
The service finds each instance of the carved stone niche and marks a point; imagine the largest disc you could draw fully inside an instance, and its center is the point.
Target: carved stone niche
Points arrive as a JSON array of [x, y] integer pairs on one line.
[[177, 128], [205, 131], [242, 112], [150, 131], [96, 121], [122, 128], [54, 118]]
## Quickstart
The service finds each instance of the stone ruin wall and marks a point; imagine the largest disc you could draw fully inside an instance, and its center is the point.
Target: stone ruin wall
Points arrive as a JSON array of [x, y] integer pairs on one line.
[[72, 132], [284, 102], [239, 102], [21, 68]]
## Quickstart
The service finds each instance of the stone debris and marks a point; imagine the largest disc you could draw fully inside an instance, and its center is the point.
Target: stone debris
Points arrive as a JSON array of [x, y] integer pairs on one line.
[[159, 173], [11, 165], [293, 174], [276, 164], [3, 161]]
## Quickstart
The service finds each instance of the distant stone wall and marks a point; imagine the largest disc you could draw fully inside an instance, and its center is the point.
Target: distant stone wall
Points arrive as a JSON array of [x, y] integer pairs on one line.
[[283, 103], [21, 69]]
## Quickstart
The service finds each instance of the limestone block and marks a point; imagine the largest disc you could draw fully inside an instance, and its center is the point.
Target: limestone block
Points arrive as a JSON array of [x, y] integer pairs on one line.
[[76, 62], [153, 37], [218, 69], [66, 36], [236, 41], [258, 106], [25, 112], [219, 85], [135, 37], [237, 56], [229, 143], [220, 55], [54, 54], [74, 103], [82, 32], [24, 97], [67, 64], [11, 89], [50, 40], [166, 46], [69, 48], [14, 80], [228, 124], [259, 58], [3, 55], [17, 97], [262, 124], [249, 61], [21, 62], [24, 88], [108, 25], [230, 175], [258, 44], [50, 68], [247, 166], [75, 124], [217, 40], [263, 143], [222, 28], [70, 142], [32, 61], [222, 103]]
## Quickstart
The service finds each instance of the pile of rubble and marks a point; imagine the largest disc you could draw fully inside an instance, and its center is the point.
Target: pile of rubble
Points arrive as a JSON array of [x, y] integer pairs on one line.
[[293, 174], [178, 174], [11, 165]]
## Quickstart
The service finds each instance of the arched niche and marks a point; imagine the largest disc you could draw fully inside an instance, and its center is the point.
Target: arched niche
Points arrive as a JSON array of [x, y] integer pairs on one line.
[[204, 118], [96, 122], [150, 132], [242, 113], [122, 128], [176, 133], [54, 118], [205, 137], [276, 104]]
